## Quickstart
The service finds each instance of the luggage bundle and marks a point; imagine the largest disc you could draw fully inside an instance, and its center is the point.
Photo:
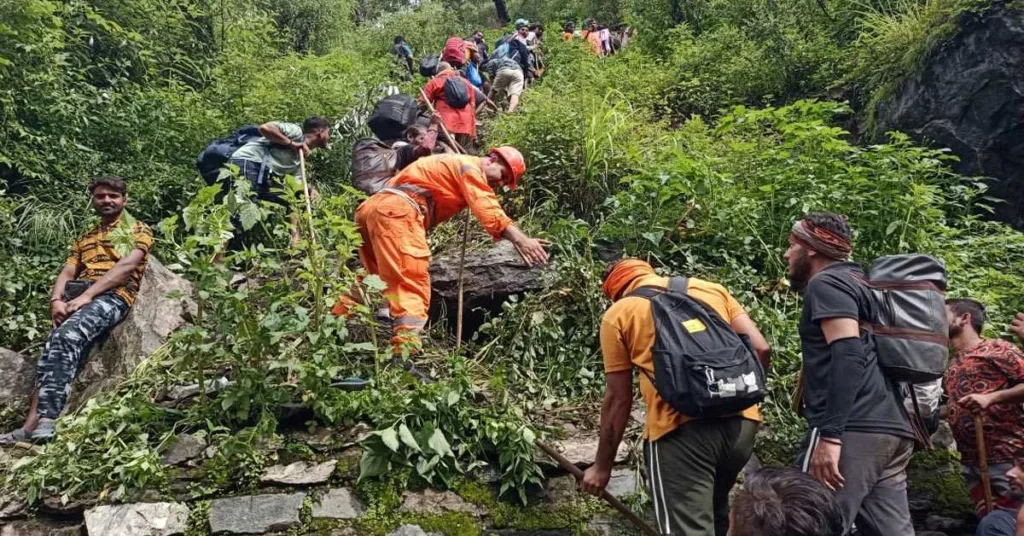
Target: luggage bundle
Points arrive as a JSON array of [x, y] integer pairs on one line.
[[373, 163], [392, 116]]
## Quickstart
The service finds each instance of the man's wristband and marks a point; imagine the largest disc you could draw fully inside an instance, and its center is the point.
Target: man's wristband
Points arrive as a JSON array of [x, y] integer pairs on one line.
[[56, 299], [832, 440]]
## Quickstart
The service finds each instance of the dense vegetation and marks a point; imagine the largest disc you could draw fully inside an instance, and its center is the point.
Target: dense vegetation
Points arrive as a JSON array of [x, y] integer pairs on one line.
[[696, 148]]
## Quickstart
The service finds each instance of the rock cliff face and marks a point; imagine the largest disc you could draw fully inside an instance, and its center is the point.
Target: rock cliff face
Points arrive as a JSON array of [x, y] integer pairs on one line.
[[970, 98]]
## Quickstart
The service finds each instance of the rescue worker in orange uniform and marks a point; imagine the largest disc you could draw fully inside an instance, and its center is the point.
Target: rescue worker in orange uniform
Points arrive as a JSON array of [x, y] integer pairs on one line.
[[394, 222]]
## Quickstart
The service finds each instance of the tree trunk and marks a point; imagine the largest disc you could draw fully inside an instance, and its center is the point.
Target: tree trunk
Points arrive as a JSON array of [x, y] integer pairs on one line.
[[499, 6]]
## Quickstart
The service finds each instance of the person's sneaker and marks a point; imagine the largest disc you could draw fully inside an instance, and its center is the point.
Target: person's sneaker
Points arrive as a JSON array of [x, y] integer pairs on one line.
[[44, 431], [14, 436]]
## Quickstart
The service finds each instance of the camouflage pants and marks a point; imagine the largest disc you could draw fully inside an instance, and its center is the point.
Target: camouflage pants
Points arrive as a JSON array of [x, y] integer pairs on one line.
[[69, 344]]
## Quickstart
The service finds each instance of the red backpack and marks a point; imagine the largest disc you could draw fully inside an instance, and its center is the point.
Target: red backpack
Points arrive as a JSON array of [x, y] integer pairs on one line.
[[454, 51]]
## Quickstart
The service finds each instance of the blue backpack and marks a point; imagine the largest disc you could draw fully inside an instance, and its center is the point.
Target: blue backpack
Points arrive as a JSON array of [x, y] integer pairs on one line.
[[473, 75], [502, 47], [220, 150]]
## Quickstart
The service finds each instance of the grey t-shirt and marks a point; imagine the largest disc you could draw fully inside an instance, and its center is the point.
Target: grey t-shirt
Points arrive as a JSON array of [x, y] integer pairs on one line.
[[877, 406], [282, 160]]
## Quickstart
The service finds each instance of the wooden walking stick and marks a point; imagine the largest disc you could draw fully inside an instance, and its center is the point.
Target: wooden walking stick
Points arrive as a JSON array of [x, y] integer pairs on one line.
[[608, 497], [986, 484], [465, 224], [305, 188]]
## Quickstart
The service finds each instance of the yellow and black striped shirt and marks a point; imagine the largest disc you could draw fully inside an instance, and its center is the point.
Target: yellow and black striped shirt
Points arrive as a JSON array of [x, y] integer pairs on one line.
[[93, 254]]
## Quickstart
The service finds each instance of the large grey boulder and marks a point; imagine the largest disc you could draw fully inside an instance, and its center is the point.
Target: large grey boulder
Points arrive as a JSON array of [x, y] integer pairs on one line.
[[490, 276], [19, 377], [142, 519], [969, 97], [495, 272], [151, 320]]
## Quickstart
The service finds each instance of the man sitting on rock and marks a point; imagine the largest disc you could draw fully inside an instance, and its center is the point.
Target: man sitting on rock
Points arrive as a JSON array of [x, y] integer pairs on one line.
[[92, 294], [985, 378]]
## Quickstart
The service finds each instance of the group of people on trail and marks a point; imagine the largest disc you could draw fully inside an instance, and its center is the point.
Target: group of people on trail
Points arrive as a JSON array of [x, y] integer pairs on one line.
[[601, 40], [700, 358], [494, 75], [852, 473]]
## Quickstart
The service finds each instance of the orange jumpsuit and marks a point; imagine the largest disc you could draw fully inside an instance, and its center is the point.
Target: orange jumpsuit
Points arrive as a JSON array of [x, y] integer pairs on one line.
[[394, 223]]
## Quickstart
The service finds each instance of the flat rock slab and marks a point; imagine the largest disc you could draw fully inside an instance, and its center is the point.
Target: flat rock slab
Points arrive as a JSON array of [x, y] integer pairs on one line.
[[410, 530], [338, 503], [186, 447], [140, 519], [433, 502], [35, 527], [255, 514], [300, 473], [580, 451]]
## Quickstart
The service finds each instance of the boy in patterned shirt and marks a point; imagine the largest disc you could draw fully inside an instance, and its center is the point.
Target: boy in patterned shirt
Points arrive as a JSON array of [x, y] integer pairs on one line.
[[110, 280], [985, 378]]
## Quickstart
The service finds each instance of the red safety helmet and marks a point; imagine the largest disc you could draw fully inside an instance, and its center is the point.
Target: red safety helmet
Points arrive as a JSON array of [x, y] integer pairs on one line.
[[512, 158]]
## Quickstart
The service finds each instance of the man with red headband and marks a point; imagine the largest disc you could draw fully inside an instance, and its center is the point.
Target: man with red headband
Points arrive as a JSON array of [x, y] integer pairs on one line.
[[861, 438], [692, 463], [394, 222]]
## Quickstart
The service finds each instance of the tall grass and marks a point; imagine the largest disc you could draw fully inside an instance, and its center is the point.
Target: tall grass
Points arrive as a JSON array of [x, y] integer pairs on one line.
[[896, 37]]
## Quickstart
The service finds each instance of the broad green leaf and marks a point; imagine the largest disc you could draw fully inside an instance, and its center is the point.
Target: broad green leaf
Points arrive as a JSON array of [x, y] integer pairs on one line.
[[407, 438], [439, 444], [390, 438], [372, 464]]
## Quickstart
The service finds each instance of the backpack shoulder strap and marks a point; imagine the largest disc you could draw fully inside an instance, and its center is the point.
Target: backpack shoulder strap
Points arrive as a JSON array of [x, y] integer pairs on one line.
[[645, 292], [679, 284]]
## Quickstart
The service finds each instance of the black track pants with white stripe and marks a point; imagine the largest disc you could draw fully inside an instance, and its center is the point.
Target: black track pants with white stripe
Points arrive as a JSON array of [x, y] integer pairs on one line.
[[693, 469]]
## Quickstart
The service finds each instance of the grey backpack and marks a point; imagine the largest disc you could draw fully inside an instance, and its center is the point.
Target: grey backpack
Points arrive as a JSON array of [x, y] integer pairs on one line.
[[910, 329]]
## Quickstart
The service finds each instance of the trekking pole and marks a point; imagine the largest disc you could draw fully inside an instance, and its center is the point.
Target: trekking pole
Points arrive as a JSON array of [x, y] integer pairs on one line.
[[465, 224], [986, 484], [608, 497], [305, 188]]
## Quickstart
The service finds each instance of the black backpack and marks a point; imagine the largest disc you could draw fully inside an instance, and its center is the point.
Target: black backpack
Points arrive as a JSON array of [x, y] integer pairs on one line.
[[210, 161], [702, 367], [456, 94], [428, 65]]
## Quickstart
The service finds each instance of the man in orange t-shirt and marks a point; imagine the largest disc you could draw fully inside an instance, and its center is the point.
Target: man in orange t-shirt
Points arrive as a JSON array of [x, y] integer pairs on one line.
[[692, 463]]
